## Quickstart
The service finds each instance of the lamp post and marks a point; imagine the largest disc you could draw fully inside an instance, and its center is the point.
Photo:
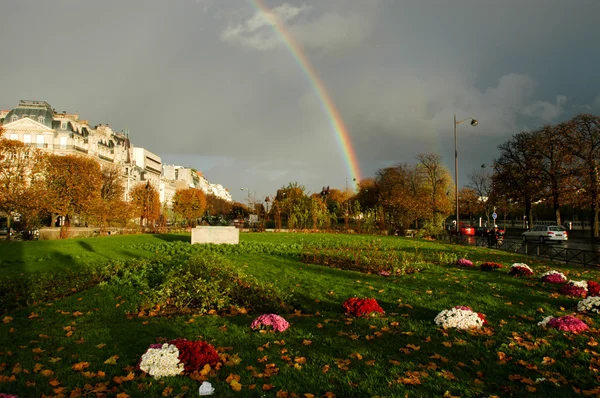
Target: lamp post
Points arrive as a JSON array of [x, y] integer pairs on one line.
[[474, 122]]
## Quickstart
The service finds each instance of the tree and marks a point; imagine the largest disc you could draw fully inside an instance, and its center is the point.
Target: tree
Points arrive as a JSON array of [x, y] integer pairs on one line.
[[581, 137], [555, 164], [73, 185], [146, 203], [516, 173], [436, 186], [217, 206], [190, 204], [19, 192], [481, 183], [470, 203], [110, 207]]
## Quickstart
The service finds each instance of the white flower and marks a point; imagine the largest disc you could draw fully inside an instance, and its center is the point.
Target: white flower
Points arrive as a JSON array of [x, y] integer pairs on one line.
[[545, 321], [161, 362], [564, 278], [589, 304], [582, 284], [459, 319]]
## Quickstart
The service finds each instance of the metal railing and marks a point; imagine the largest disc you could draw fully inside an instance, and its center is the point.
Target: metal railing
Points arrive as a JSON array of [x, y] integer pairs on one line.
[[587, 258]]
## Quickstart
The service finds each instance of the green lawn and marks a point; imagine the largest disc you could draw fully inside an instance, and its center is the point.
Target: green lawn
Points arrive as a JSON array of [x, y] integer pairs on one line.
[[44, 342]]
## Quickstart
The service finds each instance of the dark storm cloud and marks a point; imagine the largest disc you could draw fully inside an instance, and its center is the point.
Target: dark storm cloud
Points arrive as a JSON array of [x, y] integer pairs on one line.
[[210, 85]]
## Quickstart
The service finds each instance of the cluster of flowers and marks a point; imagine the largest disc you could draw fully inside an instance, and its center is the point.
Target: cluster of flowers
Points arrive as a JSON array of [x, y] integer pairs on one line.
[[567, 323], [385, 273], [358, 307], [575, 289], [270, 320], [520, 269], [463, 262], [590, 303], [176, 357], [2, 395], [490, 266], [593, 288], [460, 317], [554, 277]]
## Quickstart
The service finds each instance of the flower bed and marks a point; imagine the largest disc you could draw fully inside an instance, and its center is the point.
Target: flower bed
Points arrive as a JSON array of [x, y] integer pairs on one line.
[[267, 321], [176, 357], [358, 307], [567, 323], [463, 262], [460, 317], [575, 289], [554, 277], [161, 360], [490, 266], [591, 303], [520, 269], [593, 288], [195, 354]]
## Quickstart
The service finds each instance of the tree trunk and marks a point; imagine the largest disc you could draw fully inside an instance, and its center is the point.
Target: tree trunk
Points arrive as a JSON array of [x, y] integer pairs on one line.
[[529, 213]]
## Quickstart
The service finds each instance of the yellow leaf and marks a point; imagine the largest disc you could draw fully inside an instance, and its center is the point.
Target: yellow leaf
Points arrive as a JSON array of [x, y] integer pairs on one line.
[[37, 367], [101, 345], [531, 389], [54, 360], [235, 386], [167, 391], [306, 342], [112, 360], [7, 319], [267, 387]]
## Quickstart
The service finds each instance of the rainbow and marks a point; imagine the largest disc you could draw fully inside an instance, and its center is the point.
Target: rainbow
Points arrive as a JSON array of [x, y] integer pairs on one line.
[[327, 103]]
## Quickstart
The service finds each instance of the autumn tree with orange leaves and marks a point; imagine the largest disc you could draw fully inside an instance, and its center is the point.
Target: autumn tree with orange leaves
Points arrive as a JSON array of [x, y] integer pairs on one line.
[[145, 200], [190, 204]]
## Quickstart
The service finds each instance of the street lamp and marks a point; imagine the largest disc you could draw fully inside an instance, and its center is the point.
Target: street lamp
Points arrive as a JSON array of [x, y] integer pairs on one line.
[[474, 123]]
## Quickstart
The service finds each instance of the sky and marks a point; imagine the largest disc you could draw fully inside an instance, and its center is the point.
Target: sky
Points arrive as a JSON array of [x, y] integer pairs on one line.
[[215, 85]]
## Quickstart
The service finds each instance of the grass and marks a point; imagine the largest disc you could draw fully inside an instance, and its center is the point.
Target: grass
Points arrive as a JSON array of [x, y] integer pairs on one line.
[[323, 351]]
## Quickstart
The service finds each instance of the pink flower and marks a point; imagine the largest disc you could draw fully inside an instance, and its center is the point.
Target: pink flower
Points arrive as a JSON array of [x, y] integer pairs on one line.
[[572, 290], [554, 279], [463, 262], [275, 321], [568, 323], [385, 273]]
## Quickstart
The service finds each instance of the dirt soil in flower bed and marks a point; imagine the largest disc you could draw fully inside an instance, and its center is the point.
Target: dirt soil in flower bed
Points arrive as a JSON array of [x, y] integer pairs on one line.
[[89, 342]]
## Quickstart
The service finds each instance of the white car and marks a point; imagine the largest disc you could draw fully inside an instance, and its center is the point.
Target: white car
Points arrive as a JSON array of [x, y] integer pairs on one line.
[[546, 233]]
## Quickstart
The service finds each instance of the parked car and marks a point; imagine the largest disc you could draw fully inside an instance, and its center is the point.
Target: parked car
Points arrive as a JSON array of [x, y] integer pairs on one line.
[[4, 231], [464, 230], [545, 233]]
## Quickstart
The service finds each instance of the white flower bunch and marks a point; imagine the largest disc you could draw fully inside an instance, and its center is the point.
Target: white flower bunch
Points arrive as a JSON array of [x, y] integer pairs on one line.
[[564, 278], [545, 321], [458, 318], [521, 265], [582, 284], [161, 362], [589, 304]]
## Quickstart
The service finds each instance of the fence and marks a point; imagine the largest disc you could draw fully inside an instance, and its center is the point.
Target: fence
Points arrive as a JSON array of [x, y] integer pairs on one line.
[[587, 258]]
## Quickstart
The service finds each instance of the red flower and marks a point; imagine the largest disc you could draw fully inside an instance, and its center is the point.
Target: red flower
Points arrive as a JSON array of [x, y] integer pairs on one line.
[[195, 354], [593, 288], [490, 266], [356, 306]]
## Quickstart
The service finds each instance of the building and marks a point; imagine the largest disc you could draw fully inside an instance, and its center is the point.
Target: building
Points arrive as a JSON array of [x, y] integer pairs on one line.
[[37, 124]]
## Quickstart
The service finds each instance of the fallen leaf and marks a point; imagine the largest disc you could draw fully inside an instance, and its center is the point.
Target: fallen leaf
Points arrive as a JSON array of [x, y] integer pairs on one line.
[[112, 360], [80, 366]]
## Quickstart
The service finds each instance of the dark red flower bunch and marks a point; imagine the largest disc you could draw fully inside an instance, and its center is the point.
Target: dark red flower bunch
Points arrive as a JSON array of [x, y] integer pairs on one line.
[[572, 290], [593, 288], [490, 266], [358, 307], [195, 354]]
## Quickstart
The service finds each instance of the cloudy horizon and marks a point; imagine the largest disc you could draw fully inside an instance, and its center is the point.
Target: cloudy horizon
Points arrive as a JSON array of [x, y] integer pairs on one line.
[[212, 85]]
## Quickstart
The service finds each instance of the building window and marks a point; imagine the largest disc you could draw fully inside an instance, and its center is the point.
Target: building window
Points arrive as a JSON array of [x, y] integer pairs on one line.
[[40, 141], [63, 125], [27, 138], [14, 136], [41, 119], [14, 118], [63, 142]]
